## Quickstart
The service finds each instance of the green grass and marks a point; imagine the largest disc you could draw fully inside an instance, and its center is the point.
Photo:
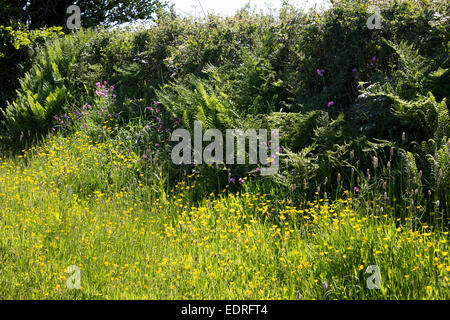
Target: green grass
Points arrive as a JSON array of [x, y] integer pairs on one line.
[[74, 201]]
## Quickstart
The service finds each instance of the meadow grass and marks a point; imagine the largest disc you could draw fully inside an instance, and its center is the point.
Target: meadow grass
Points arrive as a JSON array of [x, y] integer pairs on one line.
[[75, 201]]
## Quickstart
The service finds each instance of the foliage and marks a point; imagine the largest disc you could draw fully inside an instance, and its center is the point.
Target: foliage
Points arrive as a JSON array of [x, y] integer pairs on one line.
[[46, 89], [412, 101], [364, 159], [72, 201], [199, 101], [46, 13], [17, 48]]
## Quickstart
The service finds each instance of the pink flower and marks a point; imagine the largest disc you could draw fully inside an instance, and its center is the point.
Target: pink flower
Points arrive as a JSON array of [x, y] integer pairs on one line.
[[331, 103], [320, 72]]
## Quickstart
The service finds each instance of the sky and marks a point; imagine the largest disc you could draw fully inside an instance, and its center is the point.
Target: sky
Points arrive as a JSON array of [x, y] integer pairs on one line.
[[229, 7]]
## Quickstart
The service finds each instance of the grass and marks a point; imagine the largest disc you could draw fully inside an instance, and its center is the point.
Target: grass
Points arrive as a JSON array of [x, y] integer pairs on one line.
[[75, 201]]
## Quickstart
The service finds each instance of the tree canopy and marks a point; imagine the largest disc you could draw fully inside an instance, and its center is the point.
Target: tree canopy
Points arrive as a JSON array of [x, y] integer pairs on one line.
[[47, 13]]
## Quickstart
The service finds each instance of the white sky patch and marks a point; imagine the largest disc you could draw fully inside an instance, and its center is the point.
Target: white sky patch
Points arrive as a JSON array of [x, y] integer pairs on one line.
[[229, 7], [225, 8]]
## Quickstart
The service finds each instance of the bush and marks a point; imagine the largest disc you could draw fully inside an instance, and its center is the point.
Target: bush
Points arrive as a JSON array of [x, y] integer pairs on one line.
[[18, 46], [47, 89]]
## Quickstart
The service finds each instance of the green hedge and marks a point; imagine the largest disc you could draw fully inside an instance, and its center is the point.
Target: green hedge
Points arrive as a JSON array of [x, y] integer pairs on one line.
[[325, 78]]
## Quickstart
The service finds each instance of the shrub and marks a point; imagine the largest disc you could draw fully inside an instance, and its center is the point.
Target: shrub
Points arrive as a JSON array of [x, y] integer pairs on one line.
[[18, 46], [47, 89]]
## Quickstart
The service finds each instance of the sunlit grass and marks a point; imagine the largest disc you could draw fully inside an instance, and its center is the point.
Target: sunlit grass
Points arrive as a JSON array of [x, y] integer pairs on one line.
[[77, 202]]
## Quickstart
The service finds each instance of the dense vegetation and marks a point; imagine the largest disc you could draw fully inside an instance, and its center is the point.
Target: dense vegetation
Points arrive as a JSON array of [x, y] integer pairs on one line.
[[26, 24], [364, 179]]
